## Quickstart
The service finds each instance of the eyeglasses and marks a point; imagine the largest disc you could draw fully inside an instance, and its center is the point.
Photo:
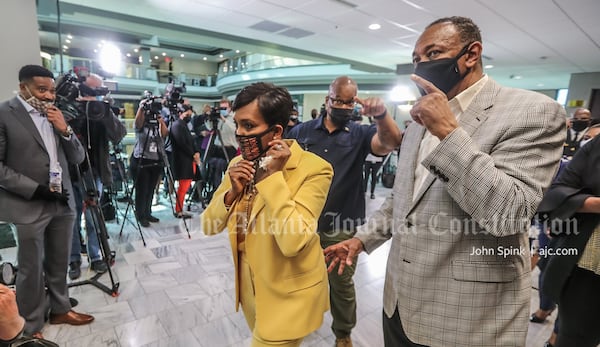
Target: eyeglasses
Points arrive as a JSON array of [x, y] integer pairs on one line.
[[342, 103]]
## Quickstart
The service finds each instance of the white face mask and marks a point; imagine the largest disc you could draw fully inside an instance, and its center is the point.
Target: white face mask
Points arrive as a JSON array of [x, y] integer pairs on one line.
[[583, 142]]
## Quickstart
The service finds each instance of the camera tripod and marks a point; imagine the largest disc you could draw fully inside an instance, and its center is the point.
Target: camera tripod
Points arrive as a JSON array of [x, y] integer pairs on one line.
[[204, 188], [152, 129], [90, 192]]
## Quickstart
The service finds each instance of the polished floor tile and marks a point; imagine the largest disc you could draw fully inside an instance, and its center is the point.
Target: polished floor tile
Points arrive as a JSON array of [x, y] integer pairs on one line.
[[178, 291]]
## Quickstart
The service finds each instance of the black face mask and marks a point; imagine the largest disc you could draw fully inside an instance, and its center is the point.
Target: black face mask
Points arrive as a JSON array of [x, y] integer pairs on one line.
[[340, 116], [443, 73], [187, 119], [251, 145], [580, 124]]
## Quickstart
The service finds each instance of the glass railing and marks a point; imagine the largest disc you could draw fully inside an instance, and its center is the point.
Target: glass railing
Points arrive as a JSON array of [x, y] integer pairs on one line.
[[132, 71], [256, 62]]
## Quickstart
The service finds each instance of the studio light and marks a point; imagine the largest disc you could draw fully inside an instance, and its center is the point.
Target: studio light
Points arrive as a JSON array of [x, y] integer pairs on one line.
[[110, 58]]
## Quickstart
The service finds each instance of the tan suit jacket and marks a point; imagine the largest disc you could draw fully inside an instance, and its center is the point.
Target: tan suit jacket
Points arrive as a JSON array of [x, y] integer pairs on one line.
[[282, 246], [458, 267]]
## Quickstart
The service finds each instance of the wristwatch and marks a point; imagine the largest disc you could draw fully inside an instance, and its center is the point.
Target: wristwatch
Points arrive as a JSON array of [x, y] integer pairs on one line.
[[69, 131]]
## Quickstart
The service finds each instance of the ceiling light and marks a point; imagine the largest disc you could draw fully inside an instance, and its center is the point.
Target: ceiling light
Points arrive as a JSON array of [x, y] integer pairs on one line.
[[68, 41], [204, 58], [163, 54], [65, 47], [374, 26], [45, 55], [237, 51], [156, 57], [136, 50], [488, 66], [128, 54], [95, 50], [220, 55], [69, 36], [182, 55]]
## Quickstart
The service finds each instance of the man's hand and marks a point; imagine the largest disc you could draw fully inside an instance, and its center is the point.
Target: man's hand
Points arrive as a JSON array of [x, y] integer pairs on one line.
[[56, 118], [372, 106], [11, 324], [432, 110], [342, 253], [44, 193]]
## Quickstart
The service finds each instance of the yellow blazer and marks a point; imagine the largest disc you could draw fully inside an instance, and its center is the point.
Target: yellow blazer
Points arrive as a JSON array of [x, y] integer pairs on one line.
[[282, 246]]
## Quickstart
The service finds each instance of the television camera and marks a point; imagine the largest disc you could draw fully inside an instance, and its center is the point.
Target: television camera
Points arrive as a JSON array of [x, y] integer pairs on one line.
[[174, 94], [69, 91]]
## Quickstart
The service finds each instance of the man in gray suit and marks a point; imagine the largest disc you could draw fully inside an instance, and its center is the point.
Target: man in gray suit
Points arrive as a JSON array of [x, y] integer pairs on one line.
[[36, 145], [470, 175]]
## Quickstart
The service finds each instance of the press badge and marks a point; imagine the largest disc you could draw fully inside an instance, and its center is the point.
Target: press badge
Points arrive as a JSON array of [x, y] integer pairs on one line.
[[152, 148]]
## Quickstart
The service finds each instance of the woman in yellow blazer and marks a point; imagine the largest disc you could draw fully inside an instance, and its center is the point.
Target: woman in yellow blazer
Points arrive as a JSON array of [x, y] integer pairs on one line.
[[269, 202]]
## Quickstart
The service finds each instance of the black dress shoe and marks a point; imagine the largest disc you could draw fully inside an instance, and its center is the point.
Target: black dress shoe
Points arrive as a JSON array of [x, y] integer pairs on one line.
[[535, 319], [183, 215], [153, 219], [548, 344], [144, 223]]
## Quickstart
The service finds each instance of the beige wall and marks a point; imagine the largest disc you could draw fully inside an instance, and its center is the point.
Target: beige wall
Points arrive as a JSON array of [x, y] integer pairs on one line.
[[19, 35]]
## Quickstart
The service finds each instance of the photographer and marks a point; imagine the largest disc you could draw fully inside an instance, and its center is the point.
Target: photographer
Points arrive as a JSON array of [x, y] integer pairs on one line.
[[222, 128], [95, 136], [185, 156], [146, 161]]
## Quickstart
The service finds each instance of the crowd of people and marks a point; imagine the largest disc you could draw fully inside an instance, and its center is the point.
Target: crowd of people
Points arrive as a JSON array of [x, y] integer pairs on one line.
[[476, 167]]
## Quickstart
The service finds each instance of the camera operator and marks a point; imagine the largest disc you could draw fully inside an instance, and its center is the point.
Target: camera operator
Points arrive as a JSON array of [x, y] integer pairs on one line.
[[146, 161], [199, 126], [95, 136], [185, 156], [226, 127]]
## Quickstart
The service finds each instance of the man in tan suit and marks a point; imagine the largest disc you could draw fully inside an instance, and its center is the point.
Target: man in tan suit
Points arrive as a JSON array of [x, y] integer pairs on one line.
[[470, 175]]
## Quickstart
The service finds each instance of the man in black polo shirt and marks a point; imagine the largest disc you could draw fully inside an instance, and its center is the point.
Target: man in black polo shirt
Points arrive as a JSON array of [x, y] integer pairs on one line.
[[345, 144]]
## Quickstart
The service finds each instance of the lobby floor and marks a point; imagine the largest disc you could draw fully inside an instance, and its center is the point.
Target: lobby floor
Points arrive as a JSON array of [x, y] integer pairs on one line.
[[179, 291]]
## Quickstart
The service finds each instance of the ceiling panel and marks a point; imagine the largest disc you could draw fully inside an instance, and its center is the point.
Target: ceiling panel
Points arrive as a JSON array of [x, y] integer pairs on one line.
[[516, 33]]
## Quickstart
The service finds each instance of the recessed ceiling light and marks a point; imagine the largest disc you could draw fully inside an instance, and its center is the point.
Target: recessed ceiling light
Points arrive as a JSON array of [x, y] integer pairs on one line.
[[128, 54], [488, 66], [156, 57], [204, 58], [65, 47], [163, 54], [136, 50], [95, 50], [69, 36], [220, 55], [68, 41], [237, 51], [374, 26]]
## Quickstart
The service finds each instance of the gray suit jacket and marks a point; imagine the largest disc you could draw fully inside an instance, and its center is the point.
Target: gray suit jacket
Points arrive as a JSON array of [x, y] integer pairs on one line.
[[486, 180], [25, 163]]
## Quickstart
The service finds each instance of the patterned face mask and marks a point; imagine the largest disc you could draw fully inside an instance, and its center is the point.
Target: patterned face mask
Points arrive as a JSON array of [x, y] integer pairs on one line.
[[251, 145], [40, 105]]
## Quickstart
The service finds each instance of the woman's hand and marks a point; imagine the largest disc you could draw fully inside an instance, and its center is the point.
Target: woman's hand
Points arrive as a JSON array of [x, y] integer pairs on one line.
[[274, 160], [240, 174]]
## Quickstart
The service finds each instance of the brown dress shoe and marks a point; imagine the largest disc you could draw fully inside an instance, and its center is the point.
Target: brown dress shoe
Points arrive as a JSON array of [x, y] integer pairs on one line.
[[71, 317]]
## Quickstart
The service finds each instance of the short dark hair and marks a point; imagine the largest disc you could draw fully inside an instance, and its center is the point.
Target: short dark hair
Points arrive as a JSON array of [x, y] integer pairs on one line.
[[468, 30], [274, 103], [28, 72]]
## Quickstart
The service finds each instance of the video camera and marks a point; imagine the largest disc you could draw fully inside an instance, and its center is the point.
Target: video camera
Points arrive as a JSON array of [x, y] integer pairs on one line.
[[152, 107], [68, 91], [174, 94]]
